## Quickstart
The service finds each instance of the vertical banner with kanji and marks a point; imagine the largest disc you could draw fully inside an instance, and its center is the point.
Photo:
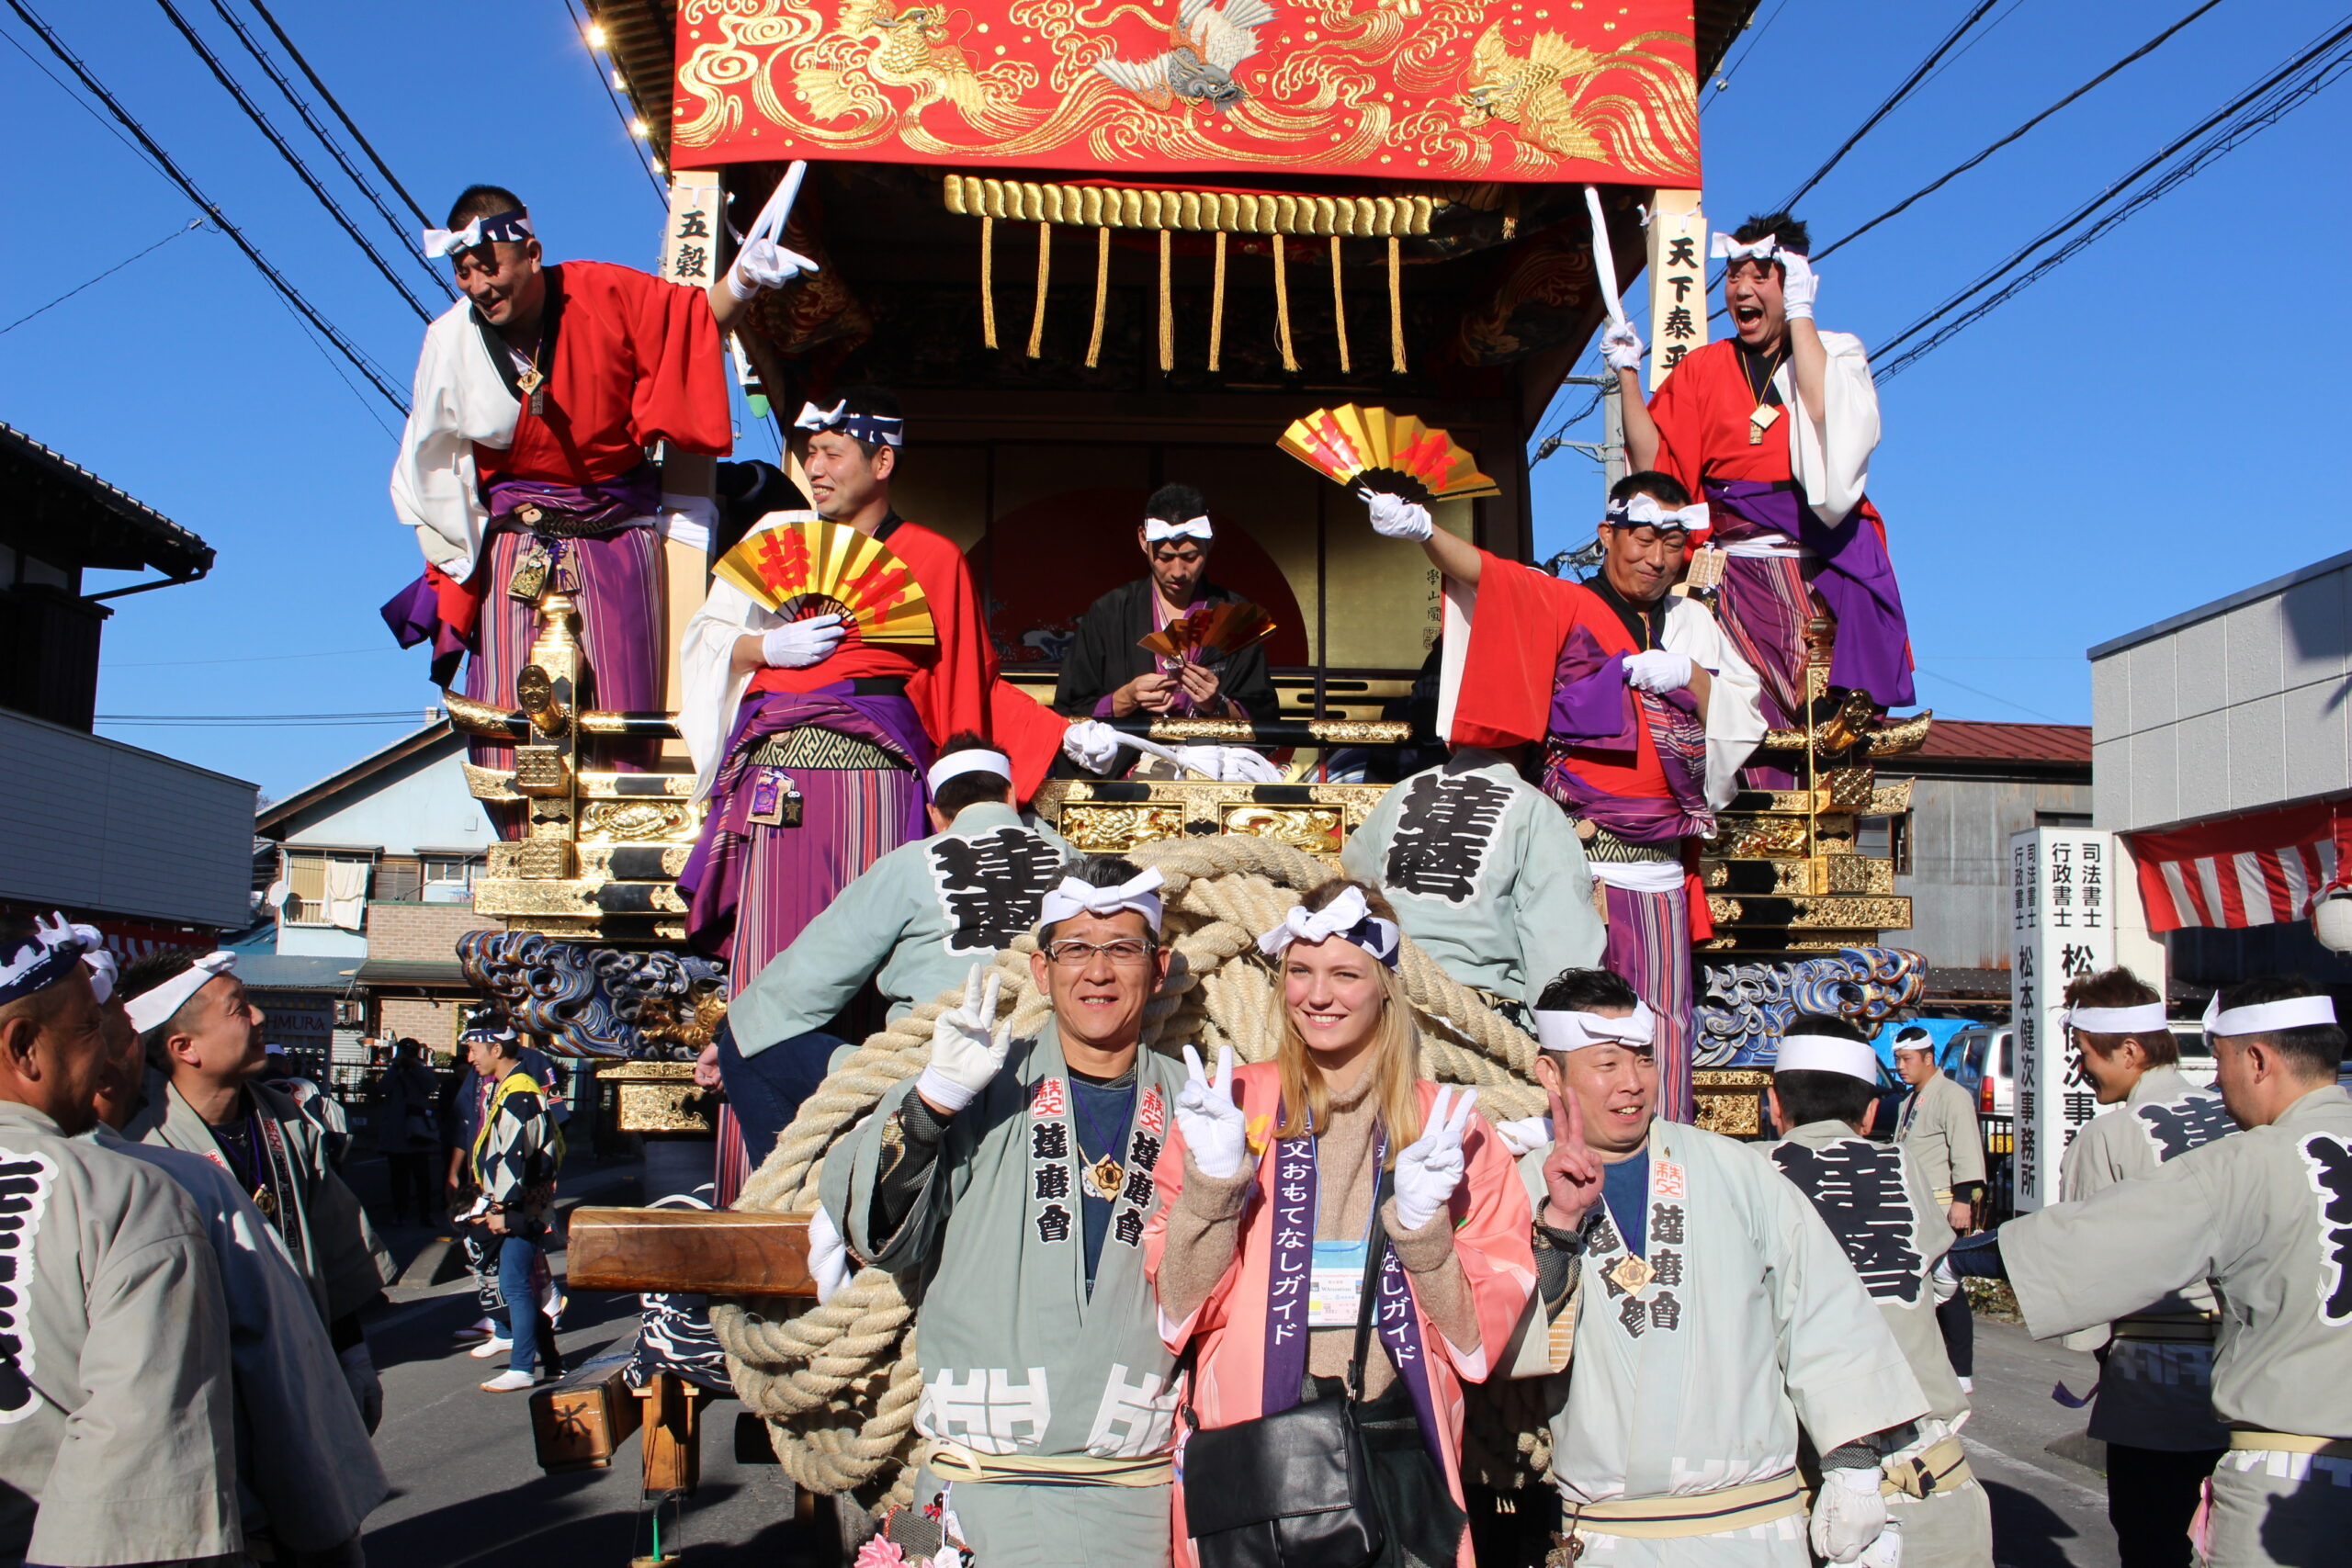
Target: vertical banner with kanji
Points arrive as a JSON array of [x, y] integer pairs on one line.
[[690, 255], [690, 241], [1678, 281], [2061, 925]]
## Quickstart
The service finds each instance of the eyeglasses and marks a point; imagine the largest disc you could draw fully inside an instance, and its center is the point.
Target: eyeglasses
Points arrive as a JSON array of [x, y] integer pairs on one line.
[[1127, 953]]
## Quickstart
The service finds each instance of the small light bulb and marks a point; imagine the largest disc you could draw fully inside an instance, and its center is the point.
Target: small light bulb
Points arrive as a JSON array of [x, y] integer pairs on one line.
[[639, 129], [596, 35], [619, 83]]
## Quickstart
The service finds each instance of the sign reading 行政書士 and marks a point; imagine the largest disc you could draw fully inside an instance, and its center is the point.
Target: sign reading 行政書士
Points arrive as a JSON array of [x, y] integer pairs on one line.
[[2062, 925]]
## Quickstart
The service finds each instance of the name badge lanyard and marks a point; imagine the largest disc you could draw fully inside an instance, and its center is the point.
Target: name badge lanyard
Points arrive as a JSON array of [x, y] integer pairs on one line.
[[1334, 1290]]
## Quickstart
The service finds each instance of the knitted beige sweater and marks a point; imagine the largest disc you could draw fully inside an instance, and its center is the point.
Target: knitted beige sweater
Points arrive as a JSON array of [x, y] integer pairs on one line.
[[1204, 1225]]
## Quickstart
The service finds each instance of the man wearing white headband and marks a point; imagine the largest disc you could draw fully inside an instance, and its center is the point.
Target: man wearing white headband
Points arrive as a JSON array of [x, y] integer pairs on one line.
[[117, 1440], [523, 465], [1773, 428], [1643, 712], [1108, 673], [915, 923], [1689, 1263], [2154, 1399], [2265, 1216], [809, 743], [1824, 1098], [202, 1036], [1009, 1184], [1938, 1128]]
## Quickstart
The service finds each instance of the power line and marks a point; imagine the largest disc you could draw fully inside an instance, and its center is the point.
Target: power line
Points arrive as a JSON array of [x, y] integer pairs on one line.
[[294, 160], [2237, 121], [263, 11], [1722, 78], [77, 101], [1959, 169], [1909, 84], [335, 148], [628, 120], [20, 321], [162, 160]]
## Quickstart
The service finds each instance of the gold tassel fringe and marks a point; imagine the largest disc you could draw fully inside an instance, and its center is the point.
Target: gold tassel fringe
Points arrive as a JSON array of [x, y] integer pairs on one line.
[[1339, 308], [1396, 307], [1217, 307], [1045, 269], [1281, 306], [1167, 304], [1102, 292], [987, 280]]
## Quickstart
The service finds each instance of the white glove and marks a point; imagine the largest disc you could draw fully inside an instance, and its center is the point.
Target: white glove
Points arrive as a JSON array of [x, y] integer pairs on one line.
[[796, 645], [1230, 765], [968, 1049], [1525, 1135], [1395, 517], [1429, 1168], [1092, 744], [1658, 670], [1621, 347], [367, 1388], [828, 1262], [1848, 1514], [763, 264], [1799, 284], [1886, 1552], [1216, 1132]]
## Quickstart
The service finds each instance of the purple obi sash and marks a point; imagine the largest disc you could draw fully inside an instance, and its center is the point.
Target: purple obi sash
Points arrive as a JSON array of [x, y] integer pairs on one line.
[[1394, 1319], [1855, 580], [570, 511], [1594, 710]]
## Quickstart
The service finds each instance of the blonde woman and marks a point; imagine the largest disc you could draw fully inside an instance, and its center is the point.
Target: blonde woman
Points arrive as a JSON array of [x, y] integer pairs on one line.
[[1262, 1247]]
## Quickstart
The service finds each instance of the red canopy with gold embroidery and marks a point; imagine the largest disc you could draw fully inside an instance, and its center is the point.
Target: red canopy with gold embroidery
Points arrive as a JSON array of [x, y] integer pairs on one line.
[[1537, 90]]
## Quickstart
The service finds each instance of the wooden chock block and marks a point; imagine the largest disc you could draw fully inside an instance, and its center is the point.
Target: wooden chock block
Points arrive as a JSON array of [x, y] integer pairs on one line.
[[672, 1434], [578, 1421]]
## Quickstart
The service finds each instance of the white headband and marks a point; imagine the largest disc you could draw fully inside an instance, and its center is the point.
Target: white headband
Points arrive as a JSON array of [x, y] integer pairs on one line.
[[56, 946], [1575, 1031], [2269, 1018], [2148, 1017], [971, 760], [1347, 917], [151, 1007], [1736, 251], [873, 428], [1075, 898], [512, 224], [1826, 1054], [1154, 530], [1644, 508], [104, 971]]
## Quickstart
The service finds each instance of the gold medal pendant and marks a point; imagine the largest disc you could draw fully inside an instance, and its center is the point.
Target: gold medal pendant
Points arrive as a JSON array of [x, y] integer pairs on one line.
[[1632, 1273], [1759, 421], [266, 1202], [529, 381], [1108, 1176]]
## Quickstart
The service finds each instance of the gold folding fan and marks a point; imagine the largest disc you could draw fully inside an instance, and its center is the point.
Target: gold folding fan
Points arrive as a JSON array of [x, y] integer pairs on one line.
[[1395, 453], [814, 568], [1210, 631]]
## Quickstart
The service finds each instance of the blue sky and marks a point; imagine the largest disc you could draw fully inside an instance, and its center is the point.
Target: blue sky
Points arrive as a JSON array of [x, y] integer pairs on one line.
[[2074, 467]]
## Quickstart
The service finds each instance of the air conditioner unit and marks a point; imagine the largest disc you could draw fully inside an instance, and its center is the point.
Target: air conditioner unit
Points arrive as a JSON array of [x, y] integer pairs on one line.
[[350, 1015]]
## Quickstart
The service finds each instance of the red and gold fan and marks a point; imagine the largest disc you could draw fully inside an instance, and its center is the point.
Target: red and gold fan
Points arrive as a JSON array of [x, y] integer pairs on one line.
[[1395, 453], [814, 568], [1211, 632]]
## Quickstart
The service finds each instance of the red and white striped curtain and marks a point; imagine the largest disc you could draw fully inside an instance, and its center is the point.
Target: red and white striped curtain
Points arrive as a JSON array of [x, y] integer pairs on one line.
[[2253, 870]]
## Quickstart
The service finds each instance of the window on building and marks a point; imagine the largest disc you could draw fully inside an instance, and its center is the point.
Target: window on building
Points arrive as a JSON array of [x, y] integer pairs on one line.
[[1886, 838], [325, 886], [452, 871]]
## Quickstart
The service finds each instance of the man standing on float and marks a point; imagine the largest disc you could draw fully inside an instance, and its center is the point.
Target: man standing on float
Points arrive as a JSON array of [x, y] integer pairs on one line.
[[1773, 428], [523, 465]]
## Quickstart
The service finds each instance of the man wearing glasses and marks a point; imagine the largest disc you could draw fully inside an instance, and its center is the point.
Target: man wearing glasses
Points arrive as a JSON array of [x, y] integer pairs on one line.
[[1107, 674], [1008, 1185], [1640, 710]]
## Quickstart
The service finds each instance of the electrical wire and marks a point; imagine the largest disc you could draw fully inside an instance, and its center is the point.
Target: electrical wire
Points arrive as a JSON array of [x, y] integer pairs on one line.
[[263, 11], [20, 321], [1722, 78], [1909, 84], [1959, 169], [335, 148], [628, 120], [2252, 112], [172, 171], [294, 160], [78, 102]]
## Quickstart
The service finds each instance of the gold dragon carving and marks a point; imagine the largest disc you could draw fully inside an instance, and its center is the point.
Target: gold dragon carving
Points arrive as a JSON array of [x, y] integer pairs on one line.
[[1425, 89]]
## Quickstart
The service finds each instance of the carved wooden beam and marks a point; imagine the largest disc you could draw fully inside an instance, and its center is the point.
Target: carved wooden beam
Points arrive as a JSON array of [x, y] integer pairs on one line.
[[713, 1252]]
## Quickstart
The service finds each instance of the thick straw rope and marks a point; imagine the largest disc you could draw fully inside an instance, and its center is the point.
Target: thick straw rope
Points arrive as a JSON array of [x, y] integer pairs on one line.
[[838, 1383]]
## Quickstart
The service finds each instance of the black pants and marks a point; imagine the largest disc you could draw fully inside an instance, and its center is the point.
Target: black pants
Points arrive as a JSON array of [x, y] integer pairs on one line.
[[766, 1089], [1958, 1325], [413, 1191], [2151, 1494]]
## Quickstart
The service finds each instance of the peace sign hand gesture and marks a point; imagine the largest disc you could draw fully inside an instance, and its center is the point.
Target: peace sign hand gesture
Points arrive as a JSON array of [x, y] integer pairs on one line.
[[967, 1048], [1429, 1168], [1572, 1172], [1215, 1130]]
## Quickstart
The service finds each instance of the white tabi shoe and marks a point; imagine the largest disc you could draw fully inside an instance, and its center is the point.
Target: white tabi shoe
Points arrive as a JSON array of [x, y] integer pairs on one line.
[[511, 1382], [496, 1345]]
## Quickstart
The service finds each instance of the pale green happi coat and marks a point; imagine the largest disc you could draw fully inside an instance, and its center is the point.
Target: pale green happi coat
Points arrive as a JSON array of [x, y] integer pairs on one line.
[[1486, 873], [1016, 1357], [2153, 1392], [1878, 1205], [1753, 1324], [2266, 1216]]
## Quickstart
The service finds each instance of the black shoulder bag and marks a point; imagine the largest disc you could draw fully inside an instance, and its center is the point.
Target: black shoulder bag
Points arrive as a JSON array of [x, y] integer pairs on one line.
[[1292, 1490]]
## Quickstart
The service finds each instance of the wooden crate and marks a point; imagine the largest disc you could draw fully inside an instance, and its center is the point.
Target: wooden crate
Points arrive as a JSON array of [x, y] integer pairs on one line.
[[578, 1421]]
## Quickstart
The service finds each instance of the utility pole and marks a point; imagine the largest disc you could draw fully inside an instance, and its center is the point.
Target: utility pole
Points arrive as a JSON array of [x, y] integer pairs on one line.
[[1612, 430]]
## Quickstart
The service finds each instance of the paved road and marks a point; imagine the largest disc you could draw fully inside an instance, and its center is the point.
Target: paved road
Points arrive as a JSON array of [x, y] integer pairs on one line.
[[469, 1492]]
